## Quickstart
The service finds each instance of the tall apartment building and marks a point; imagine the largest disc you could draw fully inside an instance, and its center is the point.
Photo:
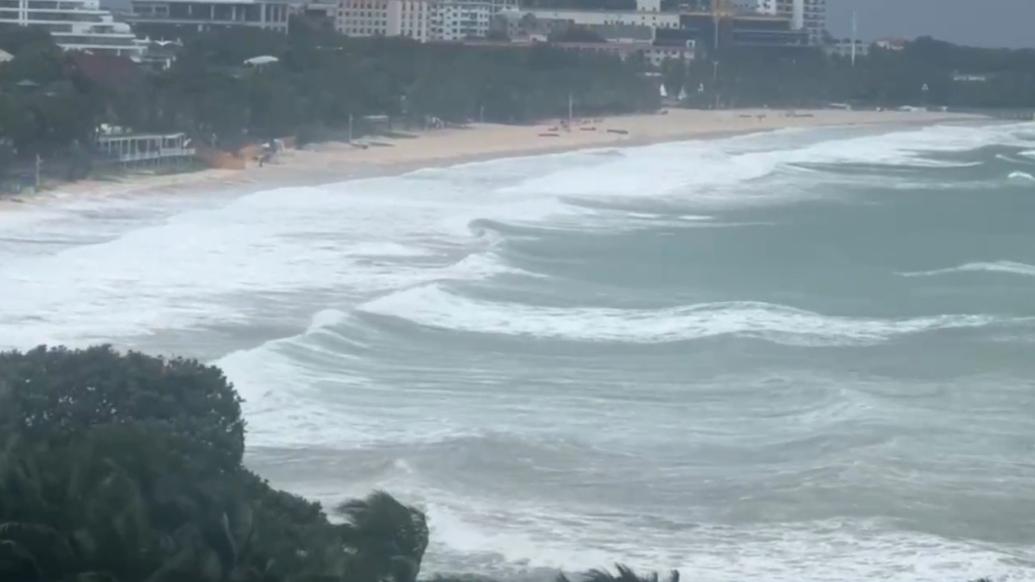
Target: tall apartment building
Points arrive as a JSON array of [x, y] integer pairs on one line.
[[807, 15], [385, 18], [409, 18], [815, 20], [75, 25], [421, 20], [453, 20], [363, 17]]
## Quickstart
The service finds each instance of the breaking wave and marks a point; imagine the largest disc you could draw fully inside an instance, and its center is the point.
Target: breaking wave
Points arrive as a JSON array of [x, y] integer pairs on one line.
[[1007, 267], [433, 306]]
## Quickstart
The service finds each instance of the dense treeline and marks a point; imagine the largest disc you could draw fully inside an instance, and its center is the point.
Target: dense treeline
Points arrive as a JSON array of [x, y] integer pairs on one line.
[[322, 79], [955, 76], [42, 107], [48, 106]]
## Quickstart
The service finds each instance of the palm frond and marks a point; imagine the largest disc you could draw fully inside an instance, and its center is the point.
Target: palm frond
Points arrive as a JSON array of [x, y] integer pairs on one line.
[[18, 563], [94, 577], [43, 541], [624, 574]]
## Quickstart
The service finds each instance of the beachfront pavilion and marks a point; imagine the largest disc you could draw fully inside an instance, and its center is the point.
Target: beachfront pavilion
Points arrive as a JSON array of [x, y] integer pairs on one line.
[[154, 148]]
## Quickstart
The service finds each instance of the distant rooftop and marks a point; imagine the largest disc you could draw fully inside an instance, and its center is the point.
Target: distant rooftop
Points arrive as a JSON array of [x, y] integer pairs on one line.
[[623, 31], [217, 1]]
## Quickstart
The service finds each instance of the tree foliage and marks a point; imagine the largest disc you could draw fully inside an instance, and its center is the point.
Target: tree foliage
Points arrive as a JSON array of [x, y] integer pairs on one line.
[[41, 109], [59, 394], [390, 538], [321, 80], [798, 78], [13, 38], [128, 468], [323, 83], [622, 573]]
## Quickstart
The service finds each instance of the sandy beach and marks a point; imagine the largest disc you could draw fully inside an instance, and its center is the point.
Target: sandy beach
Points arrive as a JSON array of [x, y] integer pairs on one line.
[[329, 162]]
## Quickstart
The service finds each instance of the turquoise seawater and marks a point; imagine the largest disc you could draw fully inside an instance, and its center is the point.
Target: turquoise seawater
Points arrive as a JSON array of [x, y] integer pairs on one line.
[[801, 355]]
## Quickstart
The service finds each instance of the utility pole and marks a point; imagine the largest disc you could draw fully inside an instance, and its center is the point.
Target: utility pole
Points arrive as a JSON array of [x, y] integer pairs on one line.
[[719, 11], [855, 33], [571, 108], [350, 128], [39, 164], [716, 35], [715, 81]]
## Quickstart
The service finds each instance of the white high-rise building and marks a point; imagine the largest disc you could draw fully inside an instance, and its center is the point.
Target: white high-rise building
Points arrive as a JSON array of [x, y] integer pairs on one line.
[[409, 18], [453, 20], [815, 20], [75, 25], [807, 15], [363, 17], [421, 20]]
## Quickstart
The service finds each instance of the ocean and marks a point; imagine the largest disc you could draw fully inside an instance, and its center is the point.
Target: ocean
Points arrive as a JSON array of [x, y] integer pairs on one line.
[[802, 355]]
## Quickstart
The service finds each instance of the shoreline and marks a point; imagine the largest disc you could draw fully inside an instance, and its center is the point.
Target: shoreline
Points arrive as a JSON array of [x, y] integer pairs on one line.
[[331, 162]]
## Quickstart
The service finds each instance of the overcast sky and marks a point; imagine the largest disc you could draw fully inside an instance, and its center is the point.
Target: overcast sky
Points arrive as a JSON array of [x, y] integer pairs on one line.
[[974, 22]]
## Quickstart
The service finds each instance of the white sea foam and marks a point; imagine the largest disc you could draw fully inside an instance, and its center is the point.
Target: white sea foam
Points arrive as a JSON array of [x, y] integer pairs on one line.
[[670, 167], [482, 266], [1007, 267], [691, 168], [176, 272], [792, 552], [1020, 158], [326, 318], [385, 249], [358, 238], [394, 246], [1021, 176], [432, 306]]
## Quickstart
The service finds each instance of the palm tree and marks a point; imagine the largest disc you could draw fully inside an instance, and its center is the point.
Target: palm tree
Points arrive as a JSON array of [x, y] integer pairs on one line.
[[388, 539], [625, 574]]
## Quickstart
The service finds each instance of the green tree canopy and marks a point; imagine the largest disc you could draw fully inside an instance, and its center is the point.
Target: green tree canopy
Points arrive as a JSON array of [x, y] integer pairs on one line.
[[127, 468], [56, 395]]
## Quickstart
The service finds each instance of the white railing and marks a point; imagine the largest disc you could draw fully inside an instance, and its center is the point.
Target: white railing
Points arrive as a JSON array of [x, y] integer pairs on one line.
[[152, 155]]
